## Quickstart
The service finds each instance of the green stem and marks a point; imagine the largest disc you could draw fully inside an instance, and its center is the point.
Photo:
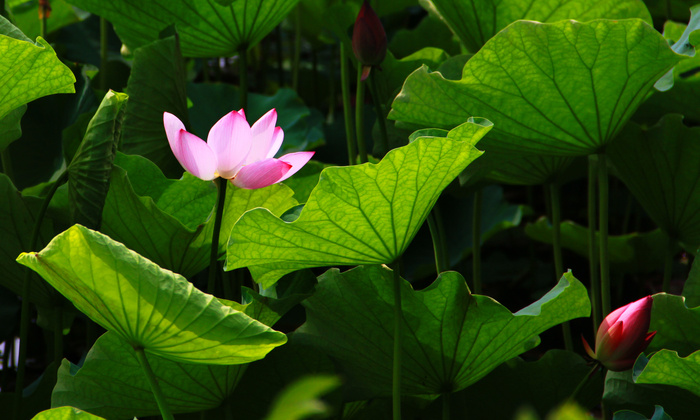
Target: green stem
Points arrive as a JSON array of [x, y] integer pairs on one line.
[[382, 146], [347, 112], [583, 382], [278, 56], [593, 244], [331, 85], [104, 48], [398, 320], [668, 265], [3, 10], [438, 248], [7, 164], [243, 75], [359, 115], [58, 334], [26, 296], [558, 260], [603, 231], [153, 381], [221, 185], [476, 241], [297, 49], [446, 406], [42, 28]]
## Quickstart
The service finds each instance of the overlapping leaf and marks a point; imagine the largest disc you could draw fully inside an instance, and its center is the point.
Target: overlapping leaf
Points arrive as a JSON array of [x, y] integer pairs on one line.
[[666, 368], [10, 128], [111, 383], [659, 165], [451, 338], [207, 28], [677, 326], [89, 171], [476, 21], [564, 88], [148, 306], [361, 214], [168, 221], [28, 70]]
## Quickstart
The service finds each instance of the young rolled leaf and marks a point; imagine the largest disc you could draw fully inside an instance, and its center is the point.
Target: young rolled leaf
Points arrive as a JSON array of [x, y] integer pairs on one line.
[[364, 214], [110, 382], [563, 88], [659, 165], [476, 21], [207, 28], [147, 306], [667, 368], [89, 171], [28, 70], [167, 221], [451, 337]]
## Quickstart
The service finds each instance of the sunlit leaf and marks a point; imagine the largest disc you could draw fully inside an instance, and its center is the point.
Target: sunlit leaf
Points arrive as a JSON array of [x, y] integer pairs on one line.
[[665, 367], [564, 88], [65, 413], [677, 326], [300, 400], [450, 338], [361, 214], [111, 383], [145, 305]]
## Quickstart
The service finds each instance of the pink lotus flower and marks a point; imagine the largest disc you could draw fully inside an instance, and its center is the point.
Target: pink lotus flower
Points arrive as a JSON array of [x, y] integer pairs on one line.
[[234, 150], [622, 335]]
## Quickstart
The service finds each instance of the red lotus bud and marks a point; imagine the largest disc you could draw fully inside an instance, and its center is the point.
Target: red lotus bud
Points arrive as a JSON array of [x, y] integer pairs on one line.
[[622, 335], [368, 37]]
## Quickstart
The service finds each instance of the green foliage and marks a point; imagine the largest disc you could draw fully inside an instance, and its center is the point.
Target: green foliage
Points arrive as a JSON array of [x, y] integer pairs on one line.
[[451, 337], [159, 311], [65, 413], [666, 368], [300, 400], [677, 326]]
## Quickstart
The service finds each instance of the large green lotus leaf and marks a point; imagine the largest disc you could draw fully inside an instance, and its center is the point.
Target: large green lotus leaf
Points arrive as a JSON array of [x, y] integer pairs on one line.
[[89, 171], [633, 252], [156, 85], [563, 88], [10, 127], [659, 166], [65, 413], [667, 368], [111, 383], [621, 392], [531, 170], [24, 14], [477, 21], [450, 339], [363, 214], [168, 221], [206, 28], [28, 70], [429, 33], [17, 219], [145, 305], [682, 43], [679, 100], [677, 326]]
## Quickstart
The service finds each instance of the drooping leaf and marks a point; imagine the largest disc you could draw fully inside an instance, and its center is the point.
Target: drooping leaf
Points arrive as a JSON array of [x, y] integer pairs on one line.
[[65, 413], [10, 128], [364, 214], [665, 367], [111, 383], [156, 85], [450, 338], [89, 171], [168, 221], [659, 166], [477, 21], [682, 44], [563, 88], [300, 400], [677, 326], [146, 305], [28, 70], [633, 252], [206, 28]]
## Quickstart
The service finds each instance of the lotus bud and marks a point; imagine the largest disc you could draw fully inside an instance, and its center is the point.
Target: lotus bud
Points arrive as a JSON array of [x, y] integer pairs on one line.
[[623, 335], [368, 39]]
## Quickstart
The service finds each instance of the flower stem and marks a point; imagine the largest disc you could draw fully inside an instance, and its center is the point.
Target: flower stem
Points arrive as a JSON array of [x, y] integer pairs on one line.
[[278, 55], [398, 319], [347, 112], [26, 296], [382, 145], [583, 382], [331, 85], [668, 265], [558, 260], [297, 49], [437, 233], [221, 185], [104, 46], [446, 406], [603, 238], [476, 240], [153, 382], [359, 116], [243, 75], [593, 244]]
